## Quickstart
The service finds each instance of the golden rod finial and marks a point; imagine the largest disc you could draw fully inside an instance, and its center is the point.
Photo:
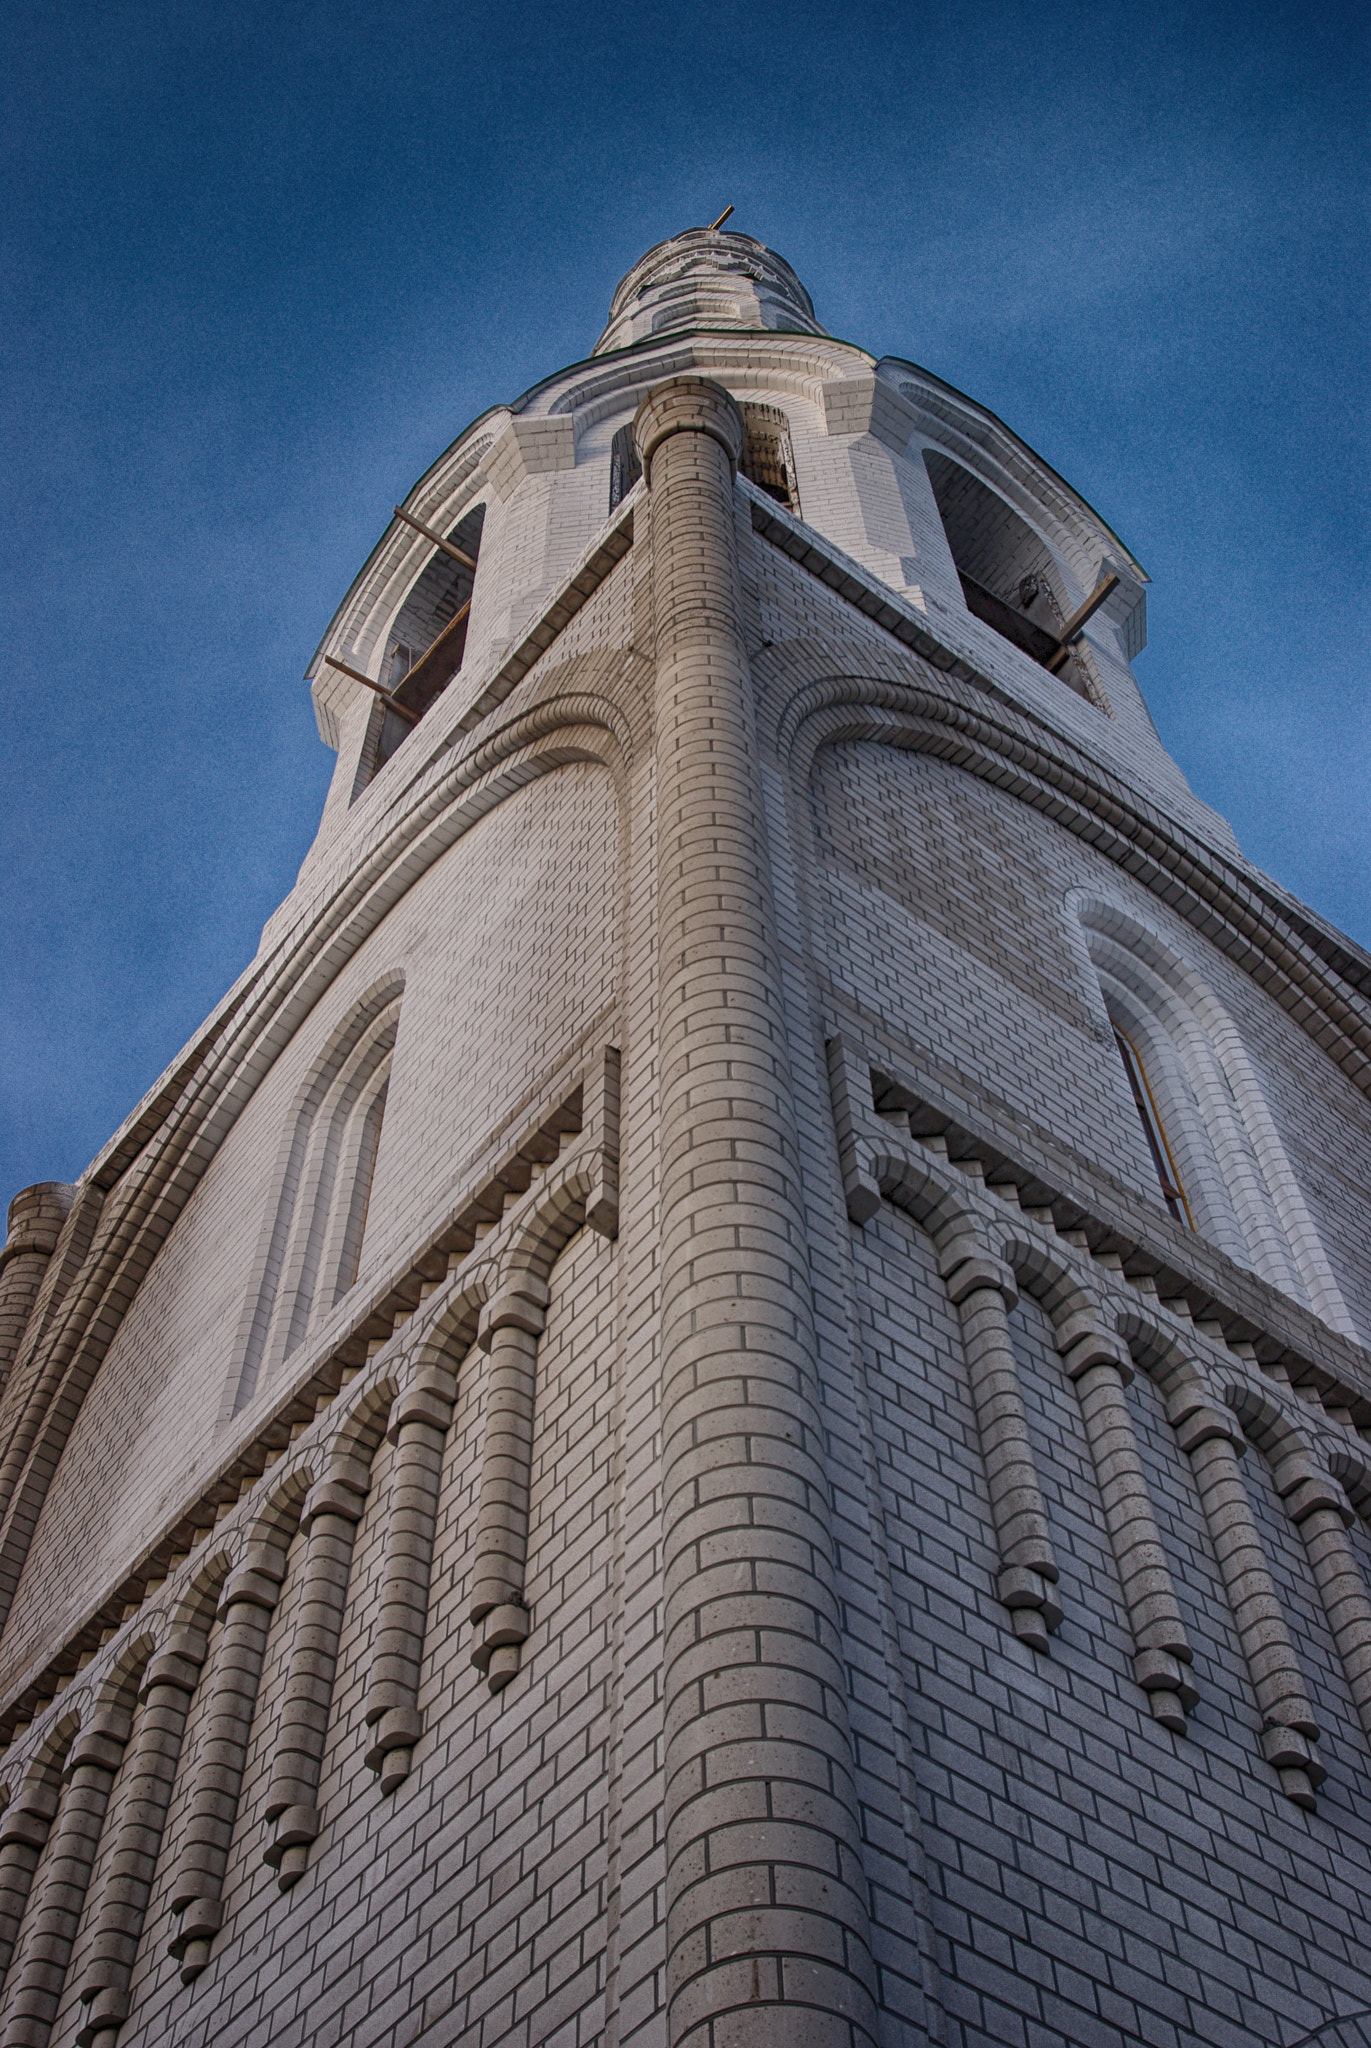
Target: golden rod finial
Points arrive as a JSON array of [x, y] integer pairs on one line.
[[715, 224]]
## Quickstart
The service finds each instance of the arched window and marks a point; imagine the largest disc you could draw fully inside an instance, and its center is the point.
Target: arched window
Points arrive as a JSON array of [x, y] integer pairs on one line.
[[426, 643], [768, 458], [1187, 1077], [624, 466], [312, 1250], [1008, 576], [1150, 1118]]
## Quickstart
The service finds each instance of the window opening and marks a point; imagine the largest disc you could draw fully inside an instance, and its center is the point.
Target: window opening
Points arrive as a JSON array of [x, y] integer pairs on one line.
[[1152, 1127], [1009, 579], [768, 458], [355, 1230], [433, 618], [624, 466]]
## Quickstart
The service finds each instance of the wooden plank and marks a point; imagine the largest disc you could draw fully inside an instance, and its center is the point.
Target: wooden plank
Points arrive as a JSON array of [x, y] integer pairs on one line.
[[401, 710], [1084, 613], [436, 666], [448, 548]]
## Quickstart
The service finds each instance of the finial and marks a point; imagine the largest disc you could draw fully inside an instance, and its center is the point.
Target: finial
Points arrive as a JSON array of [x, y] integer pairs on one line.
[[720, 221]]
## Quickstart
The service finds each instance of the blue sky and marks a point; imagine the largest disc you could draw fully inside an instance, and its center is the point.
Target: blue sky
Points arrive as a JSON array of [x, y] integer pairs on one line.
[[264, 262]]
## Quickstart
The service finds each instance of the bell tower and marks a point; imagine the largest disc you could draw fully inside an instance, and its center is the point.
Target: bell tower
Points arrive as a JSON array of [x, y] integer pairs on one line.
[[725, 1404]]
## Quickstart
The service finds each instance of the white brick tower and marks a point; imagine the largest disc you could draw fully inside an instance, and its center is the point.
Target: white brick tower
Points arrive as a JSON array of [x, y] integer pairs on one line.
[[724, 1404]]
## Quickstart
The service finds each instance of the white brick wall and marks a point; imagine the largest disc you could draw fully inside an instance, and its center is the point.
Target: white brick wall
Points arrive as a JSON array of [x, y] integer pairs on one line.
[[1040, 1860]]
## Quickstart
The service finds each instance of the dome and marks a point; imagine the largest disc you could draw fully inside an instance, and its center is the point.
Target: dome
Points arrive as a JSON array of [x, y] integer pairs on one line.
[[707, 278]]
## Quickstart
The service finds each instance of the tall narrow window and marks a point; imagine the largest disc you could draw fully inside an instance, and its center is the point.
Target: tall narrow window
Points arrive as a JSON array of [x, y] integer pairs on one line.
[[312, 1251], [428, 639], [1152, 1127], [1214, 1146], [768, 458], [359, 1207], [624, 466]]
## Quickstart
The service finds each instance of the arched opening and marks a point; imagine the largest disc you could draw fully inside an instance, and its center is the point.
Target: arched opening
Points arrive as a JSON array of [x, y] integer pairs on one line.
[[624, 466], [768, 458], [1008, 576], [427, 641]]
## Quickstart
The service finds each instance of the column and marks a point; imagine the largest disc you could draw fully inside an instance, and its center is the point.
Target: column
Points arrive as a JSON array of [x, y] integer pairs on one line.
[[165, 1695], [767, 1937], [1213, 1443], [418, 1430], [1098, 1364], [983, 1291], [329, 1521], [511, 1324], [245, 1608], [35, 1995]]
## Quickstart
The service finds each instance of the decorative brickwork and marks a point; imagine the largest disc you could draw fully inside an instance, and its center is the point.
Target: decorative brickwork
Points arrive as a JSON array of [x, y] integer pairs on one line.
[[626, 1448]]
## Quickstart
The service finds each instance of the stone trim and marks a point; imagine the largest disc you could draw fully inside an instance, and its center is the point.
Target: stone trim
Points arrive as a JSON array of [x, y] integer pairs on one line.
[[245, 1609], [419, 1422], [333, 1508], [1181, 1270], [168, 1687], [983, 1291], [54, 1918]]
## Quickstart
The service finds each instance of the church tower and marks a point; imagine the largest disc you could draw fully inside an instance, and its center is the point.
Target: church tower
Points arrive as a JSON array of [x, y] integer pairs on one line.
[[725, 1402]]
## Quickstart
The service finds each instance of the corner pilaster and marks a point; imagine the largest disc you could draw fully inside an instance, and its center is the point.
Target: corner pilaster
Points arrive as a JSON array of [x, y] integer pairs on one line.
[[767, 1935]]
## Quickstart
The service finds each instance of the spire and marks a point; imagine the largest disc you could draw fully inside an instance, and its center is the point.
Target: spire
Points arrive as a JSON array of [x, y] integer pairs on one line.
[[707, 278]]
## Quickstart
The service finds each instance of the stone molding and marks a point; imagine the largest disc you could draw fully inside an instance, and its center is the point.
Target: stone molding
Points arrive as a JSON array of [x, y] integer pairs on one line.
[[530, 447]]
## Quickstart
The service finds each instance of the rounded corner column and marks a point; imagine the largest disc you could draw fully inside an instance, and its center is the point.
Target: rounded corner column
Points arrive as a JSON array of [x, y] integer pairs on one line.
[[767, 1926]]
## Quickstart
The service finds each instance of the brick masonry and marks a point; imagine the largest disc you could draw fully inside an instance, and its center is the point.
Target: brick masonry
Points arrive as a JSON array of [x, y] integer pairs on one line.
[[782, 1538]]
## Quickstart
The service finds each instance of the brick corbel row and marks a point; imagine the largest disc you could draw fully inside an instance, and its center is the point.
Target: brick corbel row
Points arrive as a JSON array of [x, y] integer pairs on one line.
[[160, 1661], [983, 1257], [585, 1108]]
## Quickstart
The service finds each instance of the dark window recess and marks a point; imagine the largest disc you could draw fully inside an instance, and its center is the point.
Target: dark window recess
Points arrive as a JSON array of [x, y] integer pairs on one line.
[[624, 466], [768, 459], [1011, 624], [434, 619], [1006, 572], [1152, 1128]]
